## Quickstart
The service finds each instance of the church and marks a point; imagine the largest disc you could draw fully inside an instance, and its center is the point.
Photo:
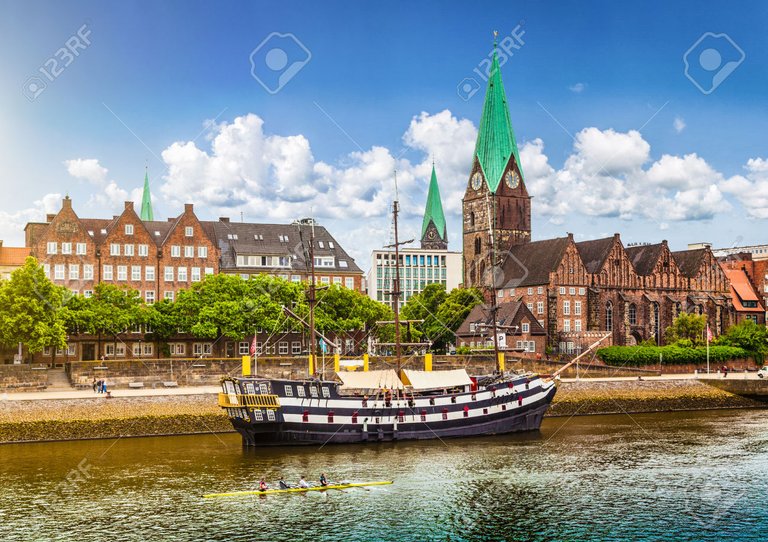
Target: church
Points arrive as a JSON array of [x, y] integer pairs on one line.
[[577, 291]]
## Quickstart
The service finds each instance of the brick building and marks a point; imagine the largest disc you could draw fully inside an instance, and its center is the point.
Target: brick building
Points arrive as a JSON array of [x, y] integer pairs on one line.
[[518, 329], [576, 291]]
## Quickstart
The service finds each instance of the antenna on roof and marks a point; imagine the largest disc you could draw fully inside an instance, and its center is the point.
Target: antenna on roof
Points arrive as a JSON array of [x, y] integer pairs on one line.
[[241, 217]]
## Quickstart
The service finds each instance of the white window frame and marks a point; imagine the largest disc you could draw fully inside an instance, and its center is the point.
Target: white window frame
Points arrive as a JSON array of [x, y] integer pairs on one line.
[[566, 307], [175, 251], [88, 271], [195, 274], [149, 297], [52, 247], [143, 250], [81, 249], [114, 249], [128, 249], [74, 271], [59, 272], [202, 252], [168, 273], [189, 251], [181, 274], [189, 231], [107, 273], [66, 248], [577, 308], [135, 273], [129, 229], [525, 327], [122, 272], [149, 272]]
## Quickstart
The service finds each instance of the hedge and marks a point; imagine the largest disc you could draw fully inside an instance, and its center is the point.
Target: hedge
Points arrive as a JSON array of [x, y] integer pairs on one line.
[[638, 356]]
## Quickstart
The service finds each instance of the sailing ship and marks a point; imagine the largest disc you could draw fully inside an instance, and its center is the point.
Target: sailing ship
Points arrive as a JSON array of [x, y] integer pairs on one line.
[[384, 405]]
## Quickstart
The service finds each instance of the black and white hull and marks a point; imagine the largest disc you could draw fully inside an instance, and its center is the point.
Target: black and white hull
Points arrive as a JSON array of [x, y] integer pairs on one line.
[[285, 412]]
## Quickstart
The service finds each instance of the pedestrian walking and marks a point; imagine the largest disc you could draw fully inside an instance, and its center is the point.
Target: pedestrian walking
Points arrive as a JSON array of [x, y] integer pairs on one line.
[[93, 385]]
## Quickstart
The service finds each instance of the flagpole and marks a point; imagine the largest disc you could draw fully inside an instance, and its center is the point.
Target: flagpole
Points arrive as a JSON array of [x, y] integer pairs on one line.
[[708, 334]]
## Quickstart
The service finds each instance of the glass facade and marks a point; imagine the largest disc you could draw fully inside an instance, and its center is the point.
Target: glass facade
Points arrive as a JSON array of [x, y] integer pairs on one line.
[[416, 272]]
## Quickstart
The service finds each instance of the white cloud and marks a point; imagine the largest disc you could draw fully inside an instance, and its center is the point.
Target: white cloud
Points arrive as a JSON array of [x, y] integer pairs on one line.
[[678, 124], [87, 169], [12, 224], [578, 88], [751, 190]]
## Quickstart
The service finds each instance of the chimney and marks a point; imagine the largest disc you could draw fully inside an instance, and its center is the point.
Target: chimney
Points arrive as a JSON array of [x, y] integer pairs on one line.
[[66, 203], [570, 236], [49, 217], [224, 219], [129, 206], [188, 208], [1, 243], [171, 219]]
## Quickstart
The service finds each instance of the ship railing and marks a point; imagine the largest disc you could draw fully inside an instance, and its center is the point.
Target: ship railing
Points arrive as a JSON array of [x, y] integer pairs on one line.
[[231, 400]]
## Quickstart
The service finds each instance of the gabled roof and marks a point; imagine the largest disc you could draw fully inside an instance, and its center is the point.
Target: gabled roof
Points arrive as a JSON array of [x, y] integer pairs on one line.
[[594, 253], [235, 238], [689, 261], [495, 136], [531, 263], [434, 209], [644, 257], [742, 290], [508, 314]]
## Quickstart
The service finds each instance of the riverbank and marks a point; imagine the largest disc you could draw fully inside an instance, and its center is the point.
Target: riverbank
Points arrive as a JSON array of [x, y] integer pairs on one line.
[[194, 413]]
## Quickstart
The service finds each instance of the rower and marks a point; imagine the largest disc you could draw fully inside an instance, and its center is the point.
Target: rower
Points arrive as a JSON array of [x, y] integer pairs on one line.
[[303, 483], [283, 485], [323, 479], [263, 485]]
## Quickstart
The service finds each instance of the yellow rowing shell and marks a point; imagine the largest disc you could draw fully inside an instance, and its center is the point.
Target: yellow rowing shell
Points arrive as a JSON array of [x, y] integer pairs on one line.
[[298, 489]]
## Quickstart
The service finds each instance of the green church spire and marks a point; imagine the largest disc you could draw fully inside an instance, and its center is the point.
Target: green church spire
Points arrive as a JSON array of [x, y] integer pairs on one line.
[[495, 137], [146, 200], [433, 214]]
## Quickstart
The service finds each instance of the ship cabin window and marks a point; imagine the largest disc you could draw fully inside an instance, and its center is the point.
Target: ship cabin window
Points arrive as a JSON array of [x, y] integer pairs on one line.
[[263, 388], [445, 413], [288, 391], [300, 391], [313, 391], [401, 416], [258, 415], [271, 415], [326, 392], [330, 416], [250, 389]]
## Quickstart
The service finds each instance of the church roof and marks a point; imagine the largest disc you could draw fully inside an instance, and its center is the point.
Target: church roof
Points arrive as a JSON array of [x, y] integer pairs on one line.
[[495, 137], [146, 201], [689, 261], [531, 263], [644, 257], [434, 209], [594, 253]]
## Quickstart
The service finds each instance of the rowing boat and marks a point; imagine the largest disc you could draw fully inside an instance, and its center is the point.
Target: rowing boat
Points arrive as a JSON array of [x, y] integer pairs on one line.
[[298, 489]]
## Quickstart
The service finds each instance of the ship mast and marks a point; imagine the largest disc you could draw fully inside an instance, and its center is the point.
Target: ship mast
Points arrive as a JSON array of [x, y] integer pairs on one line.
[[309, 257], [494, 307]]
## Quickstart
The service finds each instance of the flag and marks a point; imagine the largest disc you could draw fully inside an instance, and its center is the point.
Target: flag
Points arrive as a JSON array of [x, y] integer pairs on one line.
[[709, 334], [253, 345]]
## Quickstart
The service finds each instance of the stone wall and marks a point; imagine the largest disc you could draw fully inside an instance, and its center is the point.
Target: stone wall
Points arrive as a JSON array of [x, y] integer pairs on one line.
[[23, 377]]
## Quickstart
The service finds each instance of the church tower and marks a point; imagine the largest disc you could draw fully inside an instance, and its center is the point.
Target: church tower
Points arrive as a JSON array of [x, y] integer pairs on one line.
[[146, 200], [495, 198], [433, 232]]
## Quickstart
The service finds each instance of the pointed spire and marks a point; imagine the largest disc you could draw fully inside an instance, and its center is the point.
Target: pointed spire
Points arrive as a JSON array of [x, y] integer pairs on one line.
[[146, 200], [495, 136], [434, 210]]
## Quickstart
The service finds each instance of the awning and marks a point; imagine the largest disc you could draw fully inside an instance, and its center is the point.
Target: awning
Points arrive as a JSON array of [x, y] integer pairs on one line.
[[370, 380], [432, 380]]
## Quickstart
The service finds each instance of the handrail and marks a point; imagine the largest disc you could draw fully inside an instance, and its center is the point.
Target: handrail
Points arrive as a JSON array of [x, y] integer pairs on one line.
[[249, 400]]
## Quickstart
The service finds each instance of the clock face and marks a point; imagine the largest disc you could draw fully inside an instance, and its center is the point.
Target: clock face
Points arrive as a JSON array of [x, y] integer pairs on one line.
[[477, 180], [512, 178], [431, 235]]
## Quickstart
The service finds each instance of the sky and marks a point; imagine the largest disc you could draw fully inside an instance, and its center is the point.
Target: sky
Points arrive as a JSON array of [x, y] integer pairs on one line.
[[646, 119]]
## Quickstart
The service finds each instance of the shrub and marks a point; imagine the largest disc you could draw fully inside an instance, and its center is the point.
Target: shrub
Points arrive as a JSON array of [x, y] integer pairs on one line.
[[638, 356]]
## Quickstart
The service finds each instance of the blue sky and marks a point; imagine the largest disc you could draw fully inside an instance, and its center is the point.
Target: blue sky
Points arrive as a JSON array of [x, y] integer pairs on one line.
[[586, 75]]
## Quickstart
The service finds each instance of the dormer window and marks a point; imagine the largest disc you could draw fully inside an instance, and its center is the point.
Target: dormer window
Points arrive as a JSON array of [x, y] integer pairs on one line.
[[330, 244], [103, 231]]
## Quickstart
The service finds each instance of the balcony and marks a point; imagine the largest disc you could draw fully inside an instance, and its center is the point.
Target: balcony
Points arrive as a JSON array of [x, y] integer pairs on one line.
[[228, 400]]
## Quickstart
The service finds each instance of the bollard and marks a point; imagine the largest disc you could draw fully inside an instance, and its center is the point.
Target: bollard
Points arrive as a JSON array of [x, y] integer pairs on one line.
[[427, 362], [501, 361], [336, 362], [365, 362], [246, 365]]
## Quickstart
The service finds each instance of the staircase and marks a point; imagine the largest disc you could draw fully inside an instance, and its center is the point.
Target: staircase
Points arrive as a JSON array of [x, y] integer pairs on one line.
[[58, 380]]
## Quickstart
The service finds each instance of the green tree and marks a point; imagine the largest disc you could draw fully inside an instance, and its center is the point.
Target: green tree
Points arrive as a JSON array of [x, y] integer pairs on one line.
[[111, 310], [688, 328], [30, 309], [344, 312], [747, 335]]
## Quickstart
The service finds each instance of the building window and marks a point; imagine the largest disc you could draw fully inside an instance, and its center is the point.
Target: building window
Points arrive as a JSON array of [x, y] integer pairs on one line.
[[66, 248], [177, 349], [572, 291], [577, 325], [128, 250], [655, 308], [632, 315], [478, 246], [562, 290], [566, 307], [149, 272], [530, 291], [325, 280], [189, 231], [181, 273], [87, 271], [80, 249], [567, 325], [244, 348], [209, 270], [526, 327], [577, 308], [168, 274], [168, 294], [202, 252], [107, 273], [175, 251], [51, 247], [122, 272], [129, 229], [149, 297], [113, 350], [202, 349], [609, 316], [195, 274], [530, 306], [540, 290], [283, 346], [349, 283], [74, 271], [337, 280], [58, 272], [189, 251], [143, 250], [114, 249], [136, 272], [540, 307], [582, 291]]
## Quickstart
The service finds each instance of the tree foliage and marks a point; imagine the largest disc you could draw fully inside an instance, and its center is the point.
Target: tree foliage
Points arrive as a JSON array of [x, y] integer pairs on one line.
[[749, 336], [688, 328]]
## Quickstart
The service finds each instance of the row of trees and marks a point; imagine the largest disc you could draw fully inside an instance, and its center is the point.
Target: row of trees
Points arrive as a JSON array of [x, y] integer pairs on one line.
[[40, 314]]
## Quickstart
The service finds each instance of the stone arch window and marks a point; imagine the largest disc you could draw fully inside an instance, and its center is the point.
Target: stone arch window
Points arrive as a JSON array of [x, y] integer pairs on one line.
[[656, 326], [699, 309], [678, 309], [632, 315], [472, 275], [472, 219], [609, 316], [478, 245]]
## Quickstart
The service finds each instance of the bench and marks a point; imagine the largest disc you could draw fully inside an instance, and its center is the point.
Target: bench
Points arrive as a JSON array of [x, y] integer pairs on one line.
[[136, 384], [170, 384], [83, 386]]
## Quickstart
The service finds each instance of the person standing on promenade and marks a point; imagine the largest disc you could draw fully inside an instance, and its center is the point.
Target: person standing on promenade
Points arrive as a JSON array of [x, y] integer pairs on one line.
[[94, 385]]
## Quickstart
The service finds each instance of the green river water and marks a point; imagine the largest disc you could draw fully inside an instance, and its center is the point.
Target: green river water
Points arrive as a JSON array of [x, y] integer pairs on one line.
[[674, 476]]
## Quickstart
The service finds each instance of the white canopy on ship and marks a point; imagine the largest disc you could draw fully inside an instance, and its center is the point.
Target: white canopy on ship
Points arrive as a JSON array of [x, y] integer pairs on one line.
[[370, 380], [432, 380]]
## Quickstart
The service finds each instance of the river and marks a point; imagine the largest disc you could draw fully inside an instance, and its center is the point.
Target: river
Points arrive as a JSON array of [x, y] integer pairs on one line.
[[672, 476]]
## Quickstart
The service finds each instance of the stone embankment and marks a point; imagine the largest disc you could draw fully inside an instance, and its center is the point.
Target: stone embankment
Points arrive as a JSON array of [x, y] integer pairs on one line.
[[99, 417]]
